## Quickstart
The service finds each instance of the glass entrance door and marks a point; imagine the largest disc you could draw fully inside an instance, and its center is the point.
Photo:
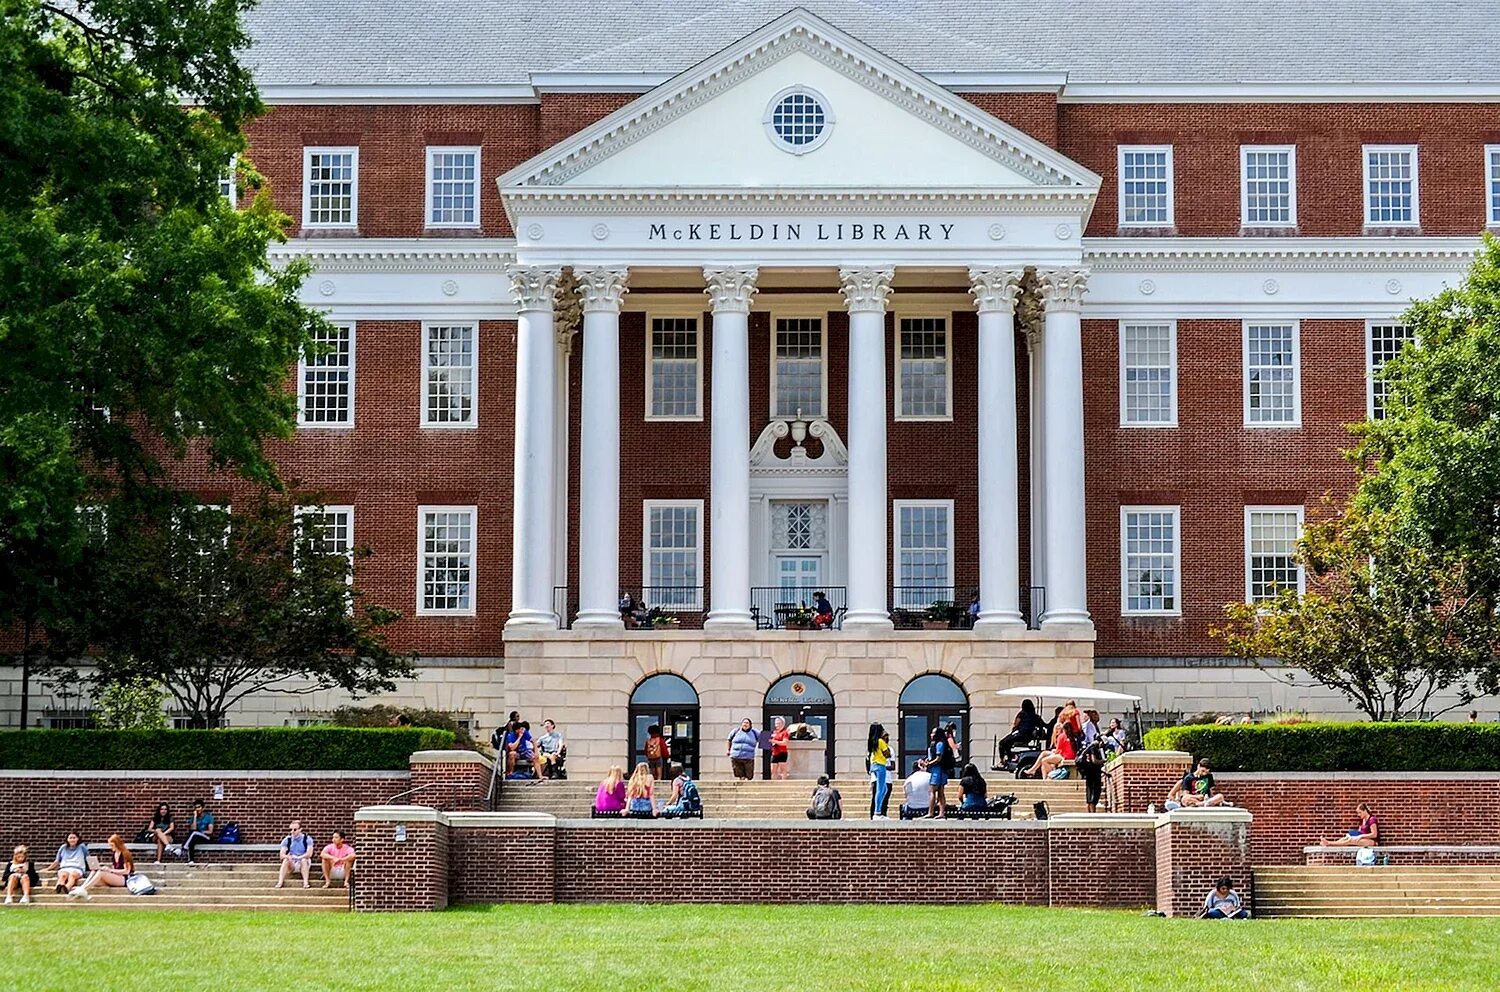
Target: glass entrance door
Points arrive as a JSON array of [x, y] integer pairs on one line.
[[801, 699]]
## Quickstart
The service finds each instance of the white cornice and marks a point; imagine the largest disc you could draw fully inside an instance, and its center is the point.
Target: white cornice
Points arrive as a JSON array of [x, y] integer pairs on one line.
[[398, 94], [1061, 200], [1294, 92], [1282, 254], [399, 254]]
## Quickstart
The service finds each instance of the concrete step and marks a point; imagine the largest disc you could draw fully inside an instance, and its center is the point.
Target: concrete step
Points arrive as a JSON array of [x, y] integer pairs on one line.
[[1348, 891], [148, 903]]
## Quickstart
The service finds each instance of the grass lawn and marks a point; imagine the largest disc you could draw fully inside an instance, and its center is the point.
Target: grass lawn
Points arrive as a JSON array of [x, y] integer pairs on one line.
[[737, 949]]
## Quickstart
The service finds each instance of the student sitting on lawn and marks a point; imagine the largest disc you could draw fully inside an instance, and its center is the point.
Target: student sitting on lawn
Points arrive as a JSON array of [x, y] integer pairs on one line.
[[338, 861], [1367, 834], [71, 863], [1195, 790], [1224, 903], [296, 855]]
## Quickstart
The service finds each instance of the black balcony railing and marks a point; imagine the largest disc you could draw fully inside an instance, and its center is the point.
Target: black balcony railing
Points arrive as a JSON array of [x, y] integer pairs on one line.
[[939, 607], [565, 605], [784, 607]]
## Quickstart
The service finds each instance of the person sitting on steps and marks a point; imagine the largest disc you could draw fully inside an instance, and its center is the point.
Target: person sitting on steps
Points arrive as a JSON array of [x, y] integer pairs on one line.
[[338, 861], [827, 804], [296, 855], [20, 876]]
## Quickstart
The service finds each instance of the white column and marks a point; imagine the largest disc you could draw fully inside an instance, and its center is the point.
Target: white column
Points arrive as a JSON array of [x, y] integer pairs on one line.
[[865, 292], [1062, 457], [995, 293], [602, 291], [730, 290], [536, 430]]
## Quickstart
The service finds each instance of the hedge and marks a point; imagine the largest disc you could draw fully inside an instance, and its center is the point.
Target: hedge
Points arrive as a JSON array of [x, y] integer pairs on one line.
[[1327, 747], [253, 748]]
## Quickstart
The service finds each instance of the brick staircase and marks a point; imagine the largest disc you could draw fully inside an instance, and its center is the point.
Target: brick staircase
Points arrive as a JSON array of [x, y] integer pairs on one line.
[[207, 886], [1388, 890], [764, 800]]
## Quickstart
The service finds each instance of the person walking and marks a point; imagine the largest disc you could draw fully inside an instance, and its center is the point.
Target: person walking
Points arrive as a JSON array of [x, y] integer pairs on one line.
[[740, 747], [880, 759]]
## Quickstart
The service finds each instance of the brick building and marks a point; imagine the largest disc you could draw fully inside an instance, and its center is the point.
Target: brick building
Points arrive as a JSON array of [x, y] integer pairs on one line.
[[1065, 310]]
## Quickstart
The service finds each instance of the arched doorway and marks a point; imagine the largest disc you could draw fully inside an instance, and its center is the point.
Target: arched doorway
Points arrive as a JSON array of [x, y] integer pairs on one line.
[[670, 701], [927, 702], [800, 699]]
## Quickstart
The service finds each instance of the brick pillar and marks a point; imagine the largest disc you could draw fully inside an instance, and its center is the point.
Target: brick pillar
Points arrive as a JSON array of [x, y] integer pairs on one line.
[[402, 859], [450, 780], [1194, 848], [1136, 779]]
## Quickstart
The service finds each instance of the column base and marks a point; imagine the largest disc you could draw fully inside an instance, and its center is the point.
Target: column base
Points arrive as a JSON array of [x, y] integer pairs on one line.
[[597, 619], [531, 618], [1000, 618], [868, 620], [729, 620], [1065, 616]]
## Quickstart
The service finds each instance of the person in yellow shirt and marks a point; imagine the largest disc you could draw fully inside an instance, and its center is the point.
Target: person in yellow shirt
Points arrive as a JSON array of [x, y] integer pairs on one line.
[[881, 760]]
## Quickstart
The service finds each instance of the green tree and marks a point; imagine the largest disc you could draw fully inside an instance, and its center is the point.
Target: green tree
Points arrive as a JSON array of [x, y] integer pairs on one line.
[[214, 608], [138, 311], [132, 704], [1386, 622]]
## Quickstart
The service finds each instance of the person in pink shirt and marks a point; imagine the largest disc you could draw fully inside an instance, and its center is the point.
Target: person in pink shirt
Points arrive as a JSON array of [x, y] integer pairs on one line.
[[610, 798], [338, 861]]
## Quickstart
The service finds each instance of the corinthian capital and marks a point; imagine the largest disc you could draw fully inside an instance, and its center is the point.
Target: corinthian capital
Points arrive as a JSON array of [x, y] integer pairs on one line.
[[995, 290], [1063, 289], [730, 289], [602, 290], [865, 290], [535, 286]]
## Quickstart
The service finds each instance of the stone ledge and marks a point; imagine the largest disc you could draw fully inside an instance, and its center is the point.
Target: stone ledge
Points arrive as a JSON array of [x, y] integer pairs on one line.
[[451, 757], [1216, 814], [1149, 758], [399, 814], [784, 825], [195, 773], [462, 821], [1407, 849], [1358, 776], [1102, 821]]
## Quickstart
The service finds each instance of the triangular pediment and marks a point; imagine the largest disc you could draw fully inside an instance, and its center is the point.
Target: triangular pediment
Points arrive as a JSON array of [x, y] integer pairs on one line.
[[884, 126]]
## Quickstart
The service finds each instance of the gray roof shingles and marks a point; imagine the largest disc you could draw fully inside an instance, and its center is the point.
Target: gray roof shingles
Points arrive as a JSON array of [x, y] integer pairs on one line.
[[398, 42]]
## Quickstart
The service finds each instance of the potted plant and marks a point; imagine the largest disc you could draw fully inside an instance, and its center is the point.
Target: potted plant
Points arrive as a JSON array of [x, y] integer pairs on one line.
[[939, 615], [799, 619], [662, 620]]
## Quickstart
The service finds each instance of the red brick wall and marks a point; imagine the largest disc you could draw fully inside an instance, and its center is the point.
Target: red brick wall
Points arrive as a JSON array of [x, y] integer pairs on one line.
[[451, 785], [410, 875], [1211, 465], [564, 114], [1191, 857], [1294, 811], [1132, 786], [1093, 866], [1206, 159], [502, 864], [39, 809], [1034, 113]]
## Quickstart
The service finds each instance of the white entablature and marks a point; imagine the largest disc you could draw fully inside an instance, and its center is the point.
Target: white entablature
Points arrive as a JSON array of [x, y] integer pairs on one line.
[[799, 145]]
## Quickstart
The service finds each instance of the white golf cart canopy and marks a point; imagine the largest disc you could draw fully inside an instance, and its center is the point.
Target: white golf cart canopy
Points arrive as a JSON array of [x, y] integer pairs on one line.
[[1079, 693]]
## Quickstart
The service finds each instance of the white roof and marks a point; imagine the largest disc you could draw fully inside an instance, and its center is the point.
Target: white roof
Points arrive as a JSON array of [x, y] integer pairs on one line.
[[1215, 42], [1067, 692]]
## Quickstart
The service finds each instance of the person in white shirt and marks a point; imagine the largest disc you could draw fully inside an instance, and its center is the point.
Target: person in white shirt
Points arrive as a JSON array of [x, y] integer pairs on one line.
[[1224, 903], [918, 791]]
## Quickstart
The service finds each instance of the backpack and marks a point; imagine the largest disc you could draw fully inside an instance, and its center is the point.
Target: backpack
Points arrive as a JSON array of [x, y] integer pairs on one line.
[[139, 885], [230, 834], [825, 803], [690, 800]]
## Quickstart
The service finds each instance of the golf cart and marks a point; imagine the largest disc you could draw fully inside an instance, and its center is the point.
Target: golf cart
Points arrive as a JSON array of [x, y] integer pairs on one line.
[[1012, 755]]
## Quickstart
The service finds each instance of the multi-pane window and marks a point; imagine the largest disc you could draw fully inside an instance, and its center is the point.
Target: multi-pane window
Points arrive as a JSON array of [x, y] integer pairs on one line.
[[1385, 342], [924, 552], [1145, 186], [330, 187], [229, 187], [330, 530], [445, 542], [674, 554], [325, 380], [93, 519], [1271, 378], [1492, 185], [1390, 185], [449, 375], [797, 372], [1149, 559], [1268, 186], [453, 187], [675, 383], [1271, 534], [1148, 374], [204, 530], [922, 376]]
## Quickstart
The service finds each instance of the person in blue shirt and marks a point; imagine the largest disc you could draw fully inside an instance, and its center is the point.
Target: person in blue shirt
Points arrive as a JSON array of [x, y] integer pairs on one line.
[[200, 828], [1224, 903], [518, 748], [741, 747], [296, 855]]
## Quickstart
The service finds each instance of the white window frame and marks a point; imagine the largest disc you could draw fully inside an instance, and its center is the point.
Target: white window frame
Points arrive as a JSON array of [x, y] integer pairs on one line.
[[1267, 508], [1291, 161], [947, 319], [897, 505], [1491, 182], [663, 504], [299, 512], [308, 151], [1370, 326], [346, 423], [1176, 514], [427, 204], [696, 316], [1416, 185], [1296, 326], [1172, 357], [822, 318], [466, 425], [230, 182], [1171, 220], [473, 512]]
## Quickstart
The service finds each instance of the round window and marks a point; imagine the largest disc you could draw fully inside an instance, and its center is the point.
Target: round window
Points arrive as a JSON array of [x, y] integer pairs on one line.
[[798, 120]]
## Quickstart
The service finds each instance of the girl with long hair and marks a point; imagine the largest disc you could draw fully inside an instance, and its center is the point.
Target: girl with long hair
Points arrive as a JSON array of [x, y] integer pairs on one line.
[[640, 794], [878, 748], [611, 795], [121, 867]]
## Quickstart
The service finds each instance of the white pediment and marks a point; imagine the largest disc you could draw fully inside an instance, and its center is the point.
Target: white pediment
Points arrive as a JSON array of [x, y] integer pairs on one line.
[[888, 128]]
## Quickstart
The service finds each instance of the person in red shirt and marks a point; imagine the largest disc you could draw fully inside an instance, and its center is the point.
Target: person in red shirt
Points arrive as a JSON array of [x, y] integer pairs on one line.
[[780, 770]]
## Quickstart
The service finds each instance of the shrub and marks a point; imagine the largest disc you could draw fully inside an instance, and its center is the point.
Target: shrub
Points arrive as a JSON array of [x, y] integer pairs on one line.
[[383, 715], [259, 749], [1324, 747]]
